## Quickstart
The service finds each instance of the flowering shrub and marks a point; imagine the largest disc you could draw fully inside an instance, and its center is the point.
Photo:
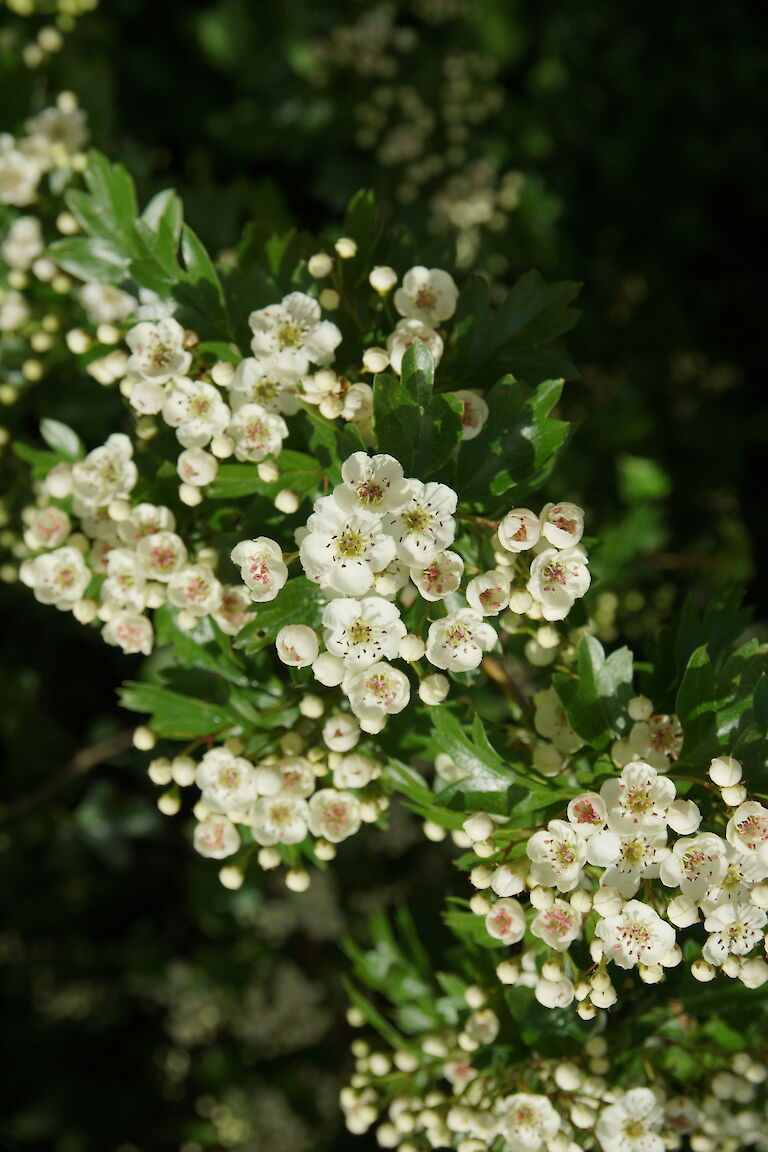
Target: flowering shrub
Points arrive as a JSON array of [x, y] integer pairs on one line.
[[325, 520]]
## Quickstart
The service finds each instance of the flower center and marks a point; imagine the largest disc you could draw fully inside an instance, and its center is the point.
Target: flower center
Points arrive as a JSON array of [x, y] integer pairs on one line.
[[289, 335], [350, 545]]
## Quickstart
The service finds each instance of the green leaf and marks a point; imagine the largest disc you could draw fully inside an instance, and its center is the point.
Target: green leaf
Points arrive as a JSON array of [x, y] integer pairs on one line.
[[297, 471], [417, 428], [596, 699], [489, 784], [61, 438], [91, 258], [697, 703], [518, 444], [298, 602], [176, 716]]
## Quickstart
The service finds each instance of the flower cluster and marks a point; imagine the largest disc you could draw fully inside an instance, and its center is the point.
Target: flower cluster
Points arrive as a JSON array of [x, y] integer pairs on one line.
[[440, 1092], [584, 875]]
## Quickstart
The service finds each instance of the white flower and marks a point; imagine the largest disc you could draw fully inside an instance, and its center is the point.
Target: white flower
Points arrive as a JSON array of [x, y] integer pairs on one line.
[[382, 278], [261, 567], [506, 921], [558, 854], [196, 410], [59, 577], [640, 854], [458, 641], [195, 589], [58, 127], [371, 484], [106, 304], [558, 925], [197, 467], [341, 732], [342, 551], [695, 864], [143, 520], [554, 993], [125, 581], [145, 396], [129, 631], [157, 350], [360, 632], [635, 935], [657, 740], [474, 412], [742, 872], [334, 815], [683, 817], [424, 526], [588, 813], [562, 524], [107, 473], [376, 692], [47, 528], [295, 328], [441, 576], [335, 396], [216, 837], [489, 592], [434, 689], [281, 819], [232, 612], [272, 382], [519, 530], [354, 771], [294, 776], [529, 1122], [297, 645], [747, 829], [725, 771], [257, 433], [161, 554], [637, 800], [558, 579], [14, 311], [632, 1123], [23, 243], [227, 782], [427, 294], [404, 334], [734, 929], [19, 174]]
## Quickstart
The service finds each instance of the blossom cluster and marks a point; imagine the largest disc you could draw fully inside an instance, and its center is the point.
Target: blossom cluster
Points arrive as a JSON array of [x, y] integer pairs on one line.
[[437, 1092], [608, 873], [380, 535], [312, 792]]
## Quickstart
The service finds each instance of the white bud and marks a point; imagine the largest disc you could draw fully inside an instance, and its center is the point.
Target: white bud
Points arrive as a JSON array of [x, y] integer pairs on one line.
[[320, 265], [346, 247], [474, 996], [329, 299], [312, 707], [434, 689], [297, 879], [480, 877], [542, 898], [144, 738], [287, 501], [85, 611], [433, 832], [520, 602], [651, 973], [508, 972], [568, 1077], [159, 771], [328, 669], [682, 912], [222, 446], [734, 795], [375, 359], [341, 732], [683, 817], [231, 877], [190, 495], [702, 971], [479, 826], [269, 858], [223, 373], [480, 904], [581, 901], [506, 881], [183, 769], [725, 771], [268, 471], [169, 803], [759, 895], [297, 645], [640, 708], [382, 279], [411, 648]]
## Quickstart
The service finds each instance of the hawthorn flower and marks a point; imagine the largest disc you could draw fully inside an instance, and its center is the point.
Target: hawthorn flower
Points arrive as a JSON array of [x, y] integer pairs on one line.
[[375, 693], [227, 782], [160, 555], [157, 350], [106, 304], [334, 815], [640, 854], [295, 328], [19, 174], [441, 576], [232, 612], [143, 520], [529, 1122], [371, 484], [107, 473], [632, 1123], [197, 467], [588, 813], [216, 837], [342, 551], [747, 831], [657, 740], [195, 589], [354, 771], [489, 593], [196, 410], [297, 645], [734, 930], [261, 567], [257, 433], [506, 921], [695, 864], [424, 525], [129, 631], [59, 577], [742, 872], [296, 777], [14, 311], [557, 580], [562, 524], [427, 294], [404, 334], [635, 935], [637, 800], [273, 382], [557, 855], [125, 582], [47, 528], [281, 819], [519, 530], [360, 632], [335, 396], [458, 641], [474, 412], [23, 243], [558, 925]]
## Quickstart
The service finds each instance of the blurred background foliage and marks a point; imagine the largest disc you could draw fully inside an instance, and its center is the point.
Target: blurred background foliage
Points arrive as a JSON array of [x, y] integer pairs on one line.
[[145, 1008]]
